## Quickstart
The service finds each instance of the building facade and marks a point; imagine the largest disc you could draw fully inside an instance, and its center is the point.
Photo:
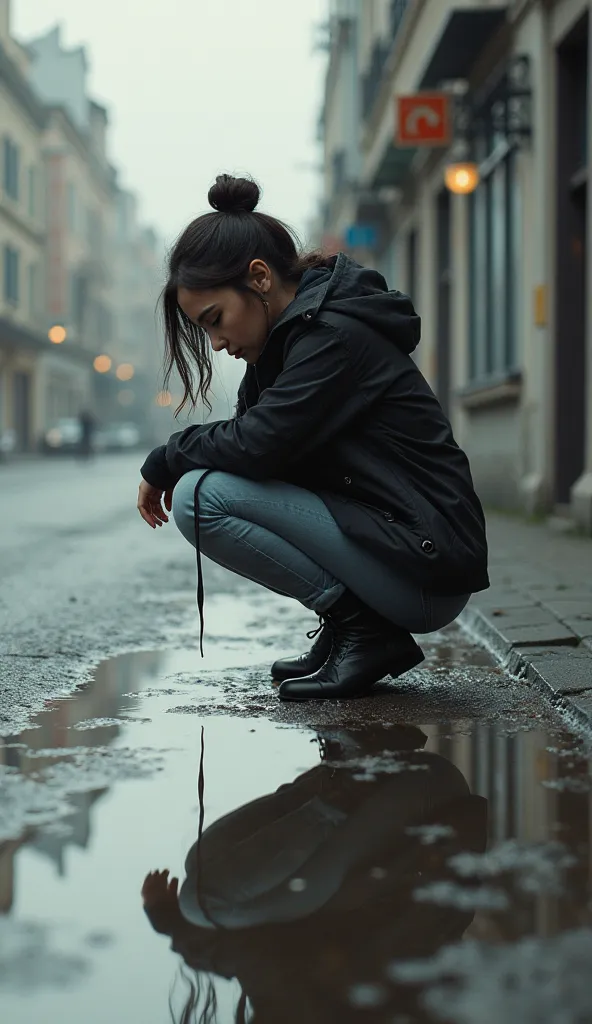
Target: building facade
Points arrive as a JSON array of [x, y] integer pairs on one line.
[[499, 276], [80, 273], [22, 247], [81, 197]]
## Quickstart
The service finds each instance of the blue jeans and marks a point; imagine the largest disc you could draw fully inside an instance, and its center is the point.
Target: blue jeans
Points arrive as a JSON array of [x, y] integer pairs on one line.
[[285, 538]]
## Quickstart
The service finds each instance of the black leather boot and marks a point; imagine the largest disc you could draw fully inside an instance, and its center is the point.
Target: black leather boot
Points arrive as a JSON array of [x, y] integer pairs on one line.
[[365, 648], [306, 664]]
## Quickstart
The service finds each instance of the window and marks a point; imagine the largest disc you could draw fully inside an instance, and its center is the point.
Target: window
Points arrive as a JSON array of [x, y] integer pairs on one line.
[[94, 232], [72, 206], [32, 191], [104, 322], [494, 267], [11, 168], [11, 275], [78, 300], [34, 291]]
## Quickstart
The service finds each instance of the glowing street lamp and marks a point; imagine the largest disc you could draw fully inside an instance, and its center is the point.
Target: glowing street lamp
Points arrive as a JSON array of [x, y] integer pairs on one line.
[[461, 178], [57, 334], [163, 399], [102, 364], [125, 371]]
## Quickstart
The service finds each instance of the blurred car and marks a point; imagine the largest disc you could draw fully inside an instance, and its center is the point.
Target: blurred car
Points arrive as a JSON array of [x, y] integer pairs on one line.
[[117, 437], [63, 437]]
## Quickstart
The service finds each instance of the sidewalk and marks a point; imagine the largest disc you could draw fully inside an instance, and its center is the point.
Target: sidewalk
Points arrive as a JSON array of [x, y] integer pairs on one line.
[[537, 615]]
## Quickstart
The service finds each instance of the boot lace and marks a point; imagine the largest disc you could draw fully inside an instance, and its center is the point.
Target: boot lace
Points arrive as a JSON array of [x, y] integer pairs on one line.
[[323, 621]]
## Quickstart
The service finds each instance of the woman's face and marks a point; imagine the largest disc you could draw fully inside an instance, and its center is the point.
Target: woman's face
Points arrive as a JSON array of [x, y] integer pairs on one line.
[[235, 321]]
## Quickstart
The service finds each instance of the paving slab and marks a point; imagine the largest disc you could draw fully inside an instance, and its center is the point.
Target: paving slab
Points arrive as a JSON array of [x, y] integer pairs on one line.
[[554, 594], [535, 636], [502, 599], [583, 703], [577, 609], [563, 673], [521, 618]]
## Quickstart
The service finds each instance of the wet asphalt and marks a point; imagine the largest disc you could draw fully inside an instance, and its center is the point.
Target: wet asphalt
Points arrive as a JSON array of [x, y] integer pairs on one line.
[[420, 855]]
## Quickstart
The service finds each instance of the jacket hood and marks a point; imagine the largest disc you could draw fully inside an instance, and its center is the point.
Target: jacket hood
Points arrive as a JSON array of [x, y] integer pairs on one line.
[[346, 287]]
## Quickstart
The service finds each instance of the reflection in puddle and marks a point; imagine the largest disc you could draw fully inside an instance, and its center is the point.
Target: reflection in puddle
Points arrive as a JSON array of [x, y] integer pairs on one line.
[[410, 869]]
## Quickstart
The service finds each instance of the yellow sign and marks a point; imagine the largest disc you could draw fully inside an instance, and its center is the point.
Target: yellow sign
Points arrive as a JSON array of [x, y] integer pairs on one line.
[[540, 305]]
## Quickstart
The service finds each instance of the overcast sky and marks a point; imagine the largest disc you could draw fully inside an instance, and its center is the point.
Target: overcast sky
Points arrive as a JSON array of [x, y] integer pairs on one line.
[[196, 87]]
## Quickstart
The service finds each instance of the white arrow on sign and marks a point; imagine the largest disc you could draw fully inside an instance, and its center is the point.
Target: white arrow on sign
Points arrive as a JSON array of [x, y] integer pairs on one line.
[[424, 113]]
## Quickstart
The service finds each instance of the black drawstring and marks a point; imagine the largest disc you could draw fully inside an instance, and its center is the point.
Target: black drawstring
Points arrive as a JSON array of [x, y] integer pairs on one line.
[[200, 582]]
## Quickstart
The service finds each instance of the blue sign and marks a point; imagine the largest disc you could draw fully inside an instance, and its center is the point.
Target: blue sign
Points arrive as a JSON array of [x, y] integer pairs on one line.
[[362, 236]]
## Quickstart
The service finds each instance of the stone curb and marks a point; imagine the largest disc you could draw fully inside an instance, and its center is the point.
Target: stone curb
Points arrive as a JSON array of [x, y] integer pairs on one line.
[[528, 663]]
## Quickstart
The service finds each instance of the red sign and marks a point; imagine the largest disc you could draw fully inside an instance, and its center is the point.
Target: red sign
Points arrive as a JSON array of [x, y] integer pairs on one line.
[[423, 119]]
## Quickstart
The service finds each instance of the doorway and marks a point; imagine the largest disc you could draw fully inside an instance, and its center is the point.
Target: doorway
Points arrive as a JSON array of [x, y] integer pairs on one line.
[[443, 290], [570, 326]]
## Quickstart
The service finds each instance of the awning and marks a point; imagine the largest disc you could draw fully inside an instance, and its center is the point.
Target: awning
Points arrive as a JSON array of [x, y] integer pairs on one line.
[[465, 34]]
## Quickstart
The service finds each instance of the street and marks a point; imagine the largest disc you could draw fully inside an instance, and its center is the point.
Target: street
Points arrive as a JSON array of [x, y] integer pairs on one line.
[[426, 859]]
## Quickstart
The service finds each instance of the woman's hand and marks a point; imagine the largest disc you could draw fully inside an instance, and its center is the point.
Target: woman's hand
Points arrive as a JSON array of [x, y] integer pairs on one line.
[[150, 504], [157, 891]]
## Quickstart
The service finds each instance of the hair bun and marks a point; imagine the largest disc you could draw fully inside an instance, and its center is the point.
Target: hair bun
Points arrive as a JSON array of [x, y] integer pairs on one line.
[[234, 195]]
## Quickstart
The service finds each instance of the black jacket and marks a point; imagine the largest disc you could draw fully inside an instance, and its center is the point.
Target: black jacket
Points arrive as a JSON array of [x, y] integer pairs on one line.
[[335, 404]]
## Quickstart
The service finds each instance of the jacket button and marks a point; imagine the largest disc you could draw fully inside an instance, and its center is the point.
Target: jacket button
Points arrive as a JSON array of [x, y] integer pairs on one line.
[[308, 315], [347, 480], [427, 546], [389, 517]]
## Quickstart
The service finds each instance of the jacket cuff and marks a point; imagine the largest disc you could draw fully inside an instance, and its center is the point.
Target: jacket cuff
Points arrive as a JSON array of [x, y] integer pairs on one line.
[[156, 472]]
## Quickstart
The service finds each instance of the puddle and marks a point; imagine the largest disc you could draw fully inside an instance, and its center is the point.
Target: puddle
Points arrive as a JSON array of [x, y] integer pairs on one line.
[[421, 856]]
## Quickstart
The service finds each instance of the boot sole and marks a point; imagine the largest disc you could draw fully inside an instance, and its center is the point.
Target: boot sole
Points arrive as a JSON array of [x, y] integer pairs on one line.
[[406, 665]]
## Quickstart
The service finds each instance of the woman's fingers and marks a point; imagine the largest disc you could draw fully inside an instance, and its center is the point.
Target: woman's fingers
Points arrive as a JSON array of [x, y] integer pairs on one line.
[[150, 505], [147, 516], [158, 512]]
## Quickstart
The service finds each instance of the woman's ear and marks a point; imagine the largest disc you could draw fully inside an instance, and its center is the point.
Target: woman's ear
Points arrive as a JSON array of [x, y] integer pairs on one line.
[[260, 276]]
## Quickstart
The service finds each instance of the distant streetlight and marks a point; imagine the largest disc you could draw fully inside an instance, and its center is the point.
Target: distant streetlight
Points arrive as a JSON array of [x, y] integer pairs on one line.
[[163, 399], [57, 334], [103, 364], [461, 178], [125, 371]]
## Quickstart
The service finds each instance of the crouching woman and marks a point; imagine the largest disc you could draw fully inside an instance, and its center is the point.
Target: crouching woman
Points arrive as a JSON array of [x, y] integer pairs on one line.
[[338, 482]]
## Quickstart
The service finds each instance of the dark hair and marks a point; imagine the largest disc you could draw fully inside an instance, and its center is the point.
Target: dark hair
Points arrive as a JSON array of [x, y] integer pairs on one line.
[[215, 251]]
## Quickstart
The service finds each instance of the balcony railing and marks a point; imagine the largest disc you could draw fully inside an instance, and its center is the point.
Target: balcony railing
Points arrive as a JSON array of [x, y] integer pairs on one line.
[[371, 81]]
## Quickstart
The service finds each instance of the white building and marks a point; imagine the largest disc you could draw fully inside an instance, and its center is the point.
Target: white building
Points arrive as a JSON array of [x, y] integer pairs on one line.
[[500, 277]]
